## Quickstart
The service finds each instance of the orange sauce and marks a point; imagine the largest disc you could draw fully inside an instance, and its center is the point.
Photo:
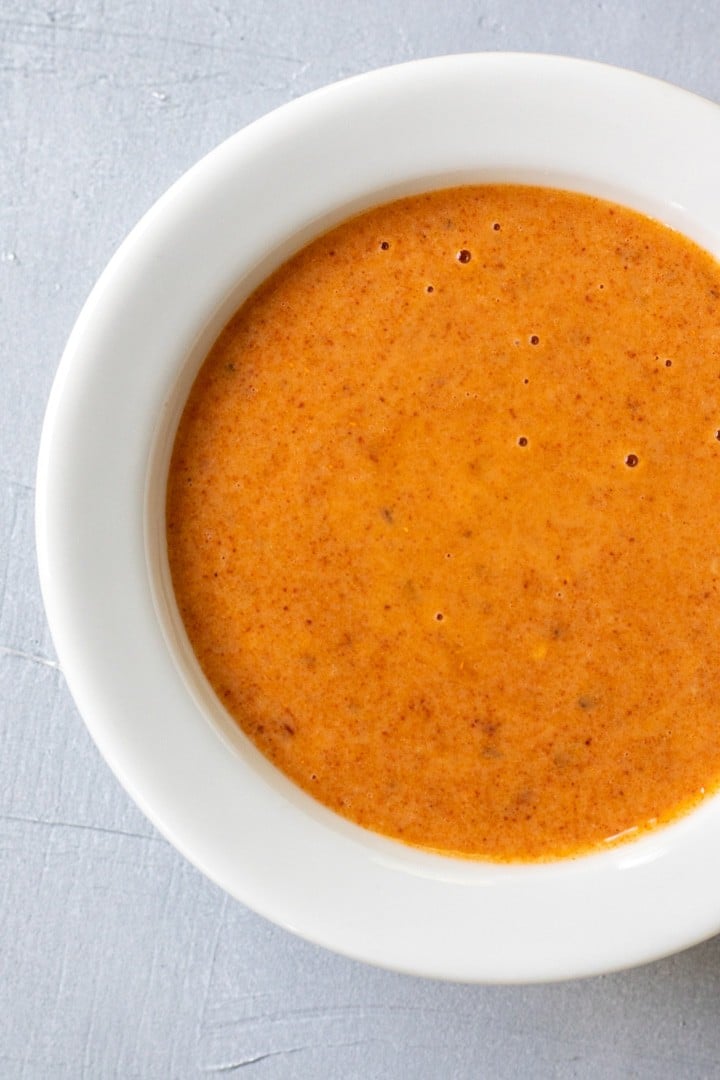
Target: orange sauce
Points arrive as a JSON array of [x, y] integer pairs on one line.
[[442, 528]]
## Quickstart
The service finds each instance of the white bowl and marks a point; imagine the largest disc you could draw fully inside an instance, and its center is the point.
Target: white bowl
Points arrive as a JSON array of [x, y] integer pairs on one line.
[[100, 511]]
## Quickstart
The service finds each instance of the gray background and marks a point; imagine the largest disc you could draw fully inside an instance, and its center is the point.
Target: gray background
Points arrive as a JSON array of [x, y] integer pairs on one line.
[[116, 957]]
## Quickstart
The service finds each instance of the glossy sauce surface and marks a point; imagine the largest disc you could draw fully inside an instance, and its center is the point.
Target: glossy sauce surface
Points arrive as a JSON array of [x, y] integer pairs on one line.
[[442, 521]]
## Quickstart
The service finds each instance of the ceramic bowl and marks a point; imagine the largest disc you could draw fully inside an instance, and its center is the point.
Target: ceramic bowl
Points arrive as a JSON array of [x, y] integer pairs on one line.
[[105, 449]]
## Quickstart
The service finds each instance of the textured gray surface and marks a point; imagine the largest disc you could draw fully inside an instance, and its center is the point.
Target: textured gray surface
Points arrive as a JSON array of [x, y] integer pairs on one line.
[[116, 957]]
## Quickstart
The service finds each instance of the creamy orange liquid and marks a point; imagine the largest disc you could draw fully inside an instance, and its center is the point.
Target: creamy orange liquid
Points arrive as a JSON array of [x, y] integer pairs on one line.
[[442, 521]]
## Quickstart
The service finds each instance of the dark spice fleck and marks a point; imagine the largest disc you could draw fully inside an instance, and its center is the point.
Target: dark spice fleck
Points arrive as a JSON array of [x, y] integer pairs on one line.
[[631, 460], [534, 340], [522, 441], [464, 256]]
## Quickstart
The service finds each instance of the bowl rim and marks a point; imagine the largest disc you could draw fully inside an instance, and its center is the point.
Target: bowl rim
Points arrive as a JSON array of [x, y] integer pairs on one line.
[[117, 394]]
